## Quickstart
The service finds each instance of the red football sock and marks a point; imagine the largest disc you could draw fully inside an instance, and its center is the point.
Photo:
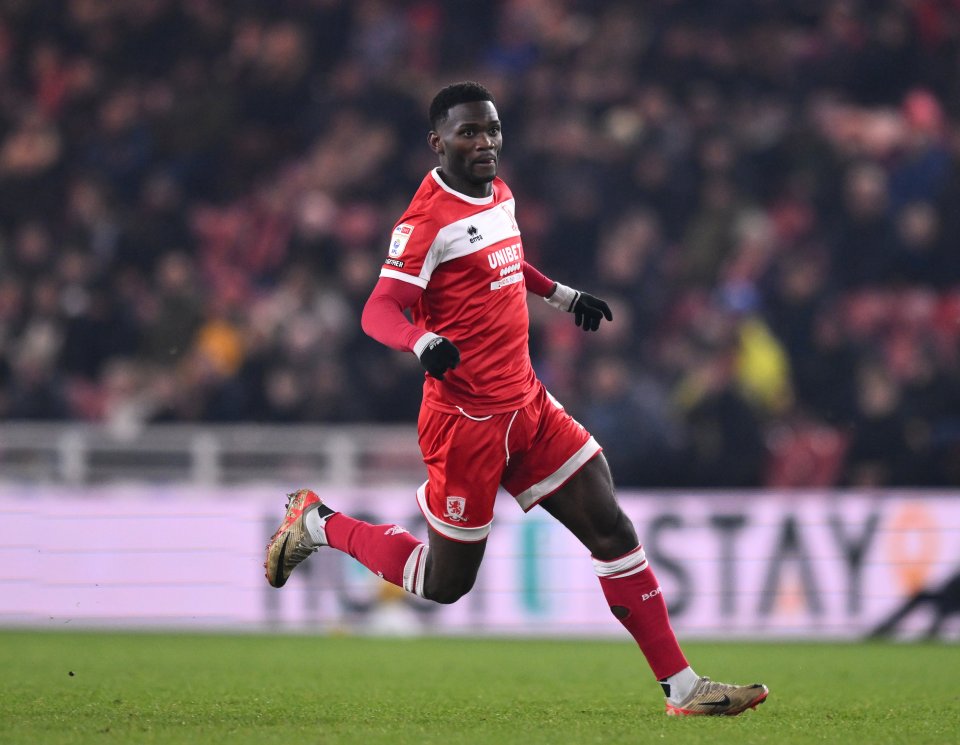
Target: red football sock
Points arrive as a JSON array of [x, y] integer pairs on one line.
[[387, 550], [634, 596]]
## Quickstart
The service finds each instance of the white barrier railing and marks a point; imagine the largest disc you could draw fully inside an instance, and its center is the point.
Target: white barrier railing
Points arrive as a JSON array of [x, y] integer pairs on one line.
[[209, 454]]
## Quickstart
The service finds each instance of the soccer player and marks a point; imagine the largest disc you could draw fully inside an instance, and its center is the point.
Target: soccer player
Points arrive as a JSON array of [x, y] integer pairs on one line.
[[455, 259]]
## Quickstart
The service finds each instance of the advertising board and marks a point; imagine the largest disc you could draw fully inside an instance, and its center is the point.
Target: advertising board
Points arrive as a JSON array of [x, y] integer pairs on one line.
[[746, 565]]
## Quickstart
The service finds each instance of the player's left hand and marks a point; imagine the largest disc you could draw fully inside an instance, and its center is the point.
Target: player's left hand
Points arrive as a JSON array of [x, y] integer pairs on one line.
[[439, 356], [588, 311]]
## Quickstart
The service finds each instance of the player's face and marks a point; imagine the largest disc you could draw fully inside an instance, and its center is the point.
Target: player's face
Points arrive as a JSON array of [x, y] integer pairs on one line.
[[468, 144]]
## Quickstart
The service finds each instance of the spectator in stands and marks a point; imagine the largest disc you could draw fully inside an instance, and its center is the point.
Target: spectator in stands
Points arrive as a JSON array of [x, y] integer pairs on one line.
[[155, 154]]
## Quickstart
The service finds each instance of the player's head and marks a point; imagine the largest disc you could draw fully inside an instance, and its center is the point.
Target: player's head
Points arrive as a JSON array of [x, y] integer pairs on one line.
[[466, 137], [457, 93]]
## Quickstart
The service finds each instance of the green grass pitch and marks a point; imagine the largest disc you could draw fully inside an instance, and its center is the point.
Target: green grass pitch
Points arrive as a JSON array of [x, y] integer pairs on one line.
[[87, 687]]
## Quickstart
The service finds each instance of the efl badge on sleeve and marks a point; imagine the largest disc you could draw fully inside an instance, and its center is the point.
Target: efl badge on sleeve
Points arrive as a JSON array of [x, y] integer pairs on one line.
[[398, 242]]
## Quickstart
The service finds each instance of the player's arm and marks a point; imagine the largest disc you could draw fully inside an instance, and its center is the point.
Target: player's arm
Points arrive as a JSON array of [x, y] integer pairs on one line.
[[588, 310], [383, 320]]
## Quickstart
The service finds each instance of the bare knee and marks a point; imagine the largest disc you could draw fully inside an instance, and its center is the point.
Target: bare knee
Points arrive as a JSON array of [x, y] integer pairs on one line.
[[588, 508], [451, 568], [446, 593], [445, 597], [614, 540], [446, 583]]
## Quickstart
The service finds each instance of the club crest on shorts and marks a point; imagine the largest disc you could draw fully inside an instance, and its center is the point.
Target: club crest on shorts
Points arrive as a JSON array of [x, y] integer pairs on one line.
[[456, 506]]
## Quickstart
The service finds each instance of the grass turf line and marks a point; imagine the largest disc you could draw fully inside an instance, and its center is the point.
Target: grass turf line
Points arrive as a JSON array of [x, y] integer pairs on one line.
[[198, 689]]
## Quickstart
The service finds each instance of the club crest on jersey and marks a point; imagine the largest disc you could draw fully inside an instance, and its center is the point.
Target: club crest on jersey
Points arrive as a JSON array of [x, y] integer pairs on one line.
[[456, 506], [398, 242]]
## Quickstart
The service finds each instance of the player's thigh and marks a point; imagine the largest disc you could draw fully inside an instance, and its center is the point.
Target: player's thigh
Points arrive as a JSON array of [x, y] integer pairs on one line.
[[587, 506], [464, 459], [548, 448]]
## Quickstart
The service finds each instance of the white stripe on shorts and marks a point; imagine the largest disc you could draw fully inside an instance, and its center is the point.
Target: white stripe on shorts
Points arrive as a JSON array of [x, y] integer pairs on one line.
[[529, 497]]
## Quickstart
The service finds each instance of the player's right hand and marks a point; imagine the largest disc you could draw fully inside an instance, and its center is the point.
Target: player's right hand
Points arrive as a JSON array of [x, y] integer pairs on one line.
[[439, 356]]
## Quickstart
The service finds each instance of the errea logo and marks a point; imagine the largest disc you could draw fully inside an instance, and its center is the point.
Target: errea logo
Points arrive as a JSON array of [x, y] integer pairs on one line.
[[474, 234]]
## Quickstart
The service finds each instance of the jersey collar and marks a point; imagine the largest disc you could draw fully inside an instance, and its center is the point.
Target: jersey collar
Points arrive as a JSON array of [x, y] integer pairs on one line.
[[443, 185]]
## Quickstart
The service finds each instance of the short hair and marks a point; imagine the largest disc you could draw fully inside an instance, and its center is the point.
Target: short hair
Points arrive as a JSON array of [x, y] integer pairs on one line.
[[454, 94]]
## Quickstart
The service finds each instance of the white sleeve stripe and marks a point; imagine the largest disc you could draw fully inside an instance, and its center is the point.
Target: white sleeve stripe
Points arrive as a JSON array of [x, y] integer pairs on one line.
[[409, 278]]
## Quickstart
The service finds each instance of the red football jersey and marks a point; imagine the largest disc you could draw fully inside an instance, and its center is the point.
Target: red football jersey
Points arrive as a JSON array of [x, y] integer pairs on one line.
[[467, 255]]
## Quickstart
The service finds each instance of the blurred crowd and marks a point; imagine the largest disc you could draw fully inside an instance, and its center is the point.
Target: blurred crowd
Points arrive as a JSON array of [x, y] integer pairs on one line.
[[196, 197]]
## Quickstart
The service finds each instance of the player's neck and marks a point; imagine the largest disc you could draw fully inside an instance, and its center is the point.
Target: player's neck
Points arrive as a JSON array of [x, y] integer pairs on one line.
[[468, 189]]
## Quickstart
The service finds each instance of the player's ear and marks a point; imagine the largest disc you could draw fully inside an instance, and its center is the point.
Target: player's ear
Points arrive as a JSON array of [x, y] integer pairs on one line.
[[435, 143]]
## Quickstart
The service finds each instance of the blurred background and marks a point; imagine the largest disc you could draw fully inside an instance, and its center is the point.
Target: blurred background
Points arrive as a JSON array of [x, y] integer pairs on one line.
[[196, 197]]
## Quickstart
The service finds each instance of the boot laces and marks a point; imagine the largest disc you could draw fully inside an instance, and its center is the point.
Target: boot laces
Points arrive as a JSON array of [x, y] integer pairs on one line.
[[300, 552], [709, 687]]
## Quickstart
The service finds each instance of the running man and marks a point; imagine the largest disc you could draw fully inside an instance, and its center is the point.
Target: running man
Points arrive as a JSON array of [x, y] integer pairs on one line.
[[455, 259]]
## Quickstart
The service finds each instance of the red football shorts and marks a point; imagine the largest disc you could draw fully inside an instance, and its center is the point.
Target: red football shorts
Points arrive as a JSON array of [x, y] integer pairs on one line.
[[531, 452]]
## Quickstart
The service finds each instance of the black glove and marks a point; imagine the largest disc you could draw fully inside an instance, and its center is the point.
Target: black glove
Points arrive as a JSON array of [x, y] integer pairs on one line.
[[439, 356], [589, 310]]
